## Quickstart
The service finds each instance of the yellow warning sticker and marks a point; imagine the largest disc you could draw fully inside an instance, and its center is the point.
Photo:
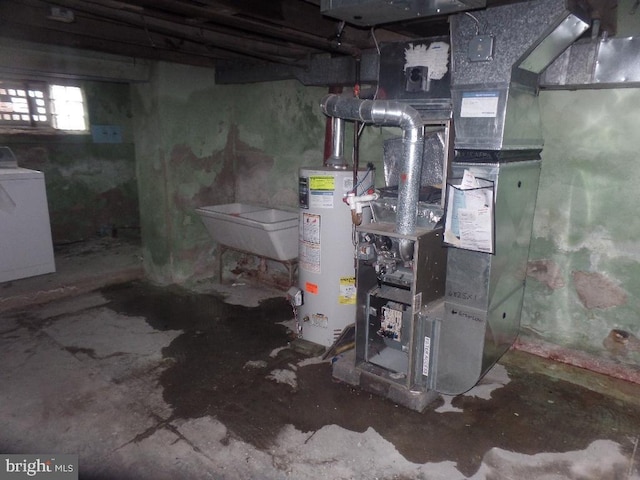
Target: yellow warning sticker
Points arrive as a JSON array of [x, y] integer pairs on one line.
[[322, 182], [347, 291]]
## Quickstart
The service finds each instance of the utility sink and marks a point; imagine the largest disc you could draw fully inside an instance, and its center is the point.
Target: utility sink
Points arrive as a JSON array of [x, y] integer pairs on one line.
[[263, 231]]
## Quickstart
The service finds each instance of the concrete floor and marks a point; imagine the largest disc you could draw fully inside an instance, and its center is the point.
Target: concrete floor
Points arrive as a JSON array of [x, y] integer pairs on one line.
[[144, 382]]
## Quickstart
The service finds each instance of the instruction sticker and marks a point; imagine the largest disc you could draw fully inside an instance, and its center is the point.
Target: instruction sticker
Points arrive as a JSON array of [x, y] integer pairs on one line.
[[347, 291], [479, 104]]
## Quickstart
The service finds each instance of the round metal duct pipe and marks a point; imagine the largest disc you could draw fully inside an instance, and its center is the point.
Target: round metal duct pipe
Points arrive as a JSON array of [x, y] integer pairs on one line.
[[393, 114]]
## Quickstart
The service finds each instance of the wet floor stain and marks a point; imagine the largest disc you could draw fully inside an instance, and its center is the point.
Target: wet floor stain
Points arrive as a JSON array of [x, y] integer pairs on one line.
[[221, 362]]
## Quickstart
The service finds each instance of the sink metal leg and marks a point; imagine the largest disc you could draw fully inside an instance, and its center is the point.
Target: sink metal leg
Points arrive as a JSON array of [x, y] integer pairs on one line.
[[290, 265], [220, 264]]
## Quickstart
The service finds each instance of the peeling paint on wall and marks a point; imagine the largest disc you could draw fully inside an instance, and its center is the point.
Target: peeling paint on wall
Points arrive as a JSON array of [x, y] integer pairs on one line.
[[584, 230], [546, 271], [91, 188], [217, 144], [596, 291]]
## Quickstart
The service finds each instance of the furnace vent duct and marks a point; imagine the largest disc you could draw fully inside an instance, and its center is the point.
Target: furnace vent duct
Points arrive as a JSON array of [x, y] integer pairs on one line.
[[367, 13], [494, 90], [337, 159], [392, 114]]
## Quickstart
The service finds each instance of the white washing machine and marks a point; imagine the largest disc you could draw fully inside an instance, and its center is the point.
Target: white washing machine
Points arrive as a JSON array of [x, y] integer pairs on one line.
[[26, 248]]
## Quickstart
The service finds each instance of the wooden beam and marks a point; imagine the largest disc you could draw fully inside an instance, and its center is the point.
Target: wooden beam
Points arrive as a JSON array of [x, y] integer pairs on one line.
[[104, 23], [247, 25]]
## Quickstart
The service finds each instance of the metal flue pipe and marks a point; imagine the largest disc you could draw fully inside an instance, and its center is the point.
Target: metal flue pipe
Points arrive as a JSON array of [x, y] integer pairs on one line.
[[337, 159], [392, 114]]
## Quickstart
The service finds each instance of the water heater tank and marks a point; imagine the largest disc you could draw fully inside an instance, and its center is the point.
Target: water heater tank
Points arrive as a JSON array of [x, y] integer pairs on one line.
[[326, 252]]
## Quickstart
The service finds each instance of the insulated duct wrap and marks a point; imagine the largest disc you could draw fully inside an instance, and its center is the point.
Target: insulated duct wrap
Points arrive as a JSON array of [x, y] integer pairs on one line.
[[393, 114]]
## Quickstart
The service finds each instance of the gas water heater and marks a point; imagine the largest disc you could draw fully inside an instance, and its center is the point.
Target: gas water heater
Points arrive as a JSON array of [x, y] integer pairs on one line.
[[326, 250]]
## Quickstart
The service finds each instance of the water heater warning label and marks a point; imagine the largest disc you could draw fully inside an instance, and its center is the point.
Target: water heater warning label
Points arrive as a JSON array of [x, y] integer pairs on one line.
[[321, 190], [309, 248], [321, 199], [310, 228], [323, 182], [347, 291]]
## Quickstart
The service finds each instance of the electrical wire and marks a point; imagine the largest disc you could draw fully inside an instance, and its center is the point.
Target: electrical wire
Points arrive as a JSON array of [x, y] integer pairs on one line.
[[361, 181], [146, 29], [475, 20], [375, 41]]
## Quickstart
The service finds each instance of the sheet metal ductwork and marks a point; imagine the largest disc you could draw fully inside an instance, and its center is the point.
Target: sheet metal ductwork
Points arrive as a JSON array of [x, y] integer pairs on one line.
[[497, 57], [366, 13], [337, 159], [395, 114]]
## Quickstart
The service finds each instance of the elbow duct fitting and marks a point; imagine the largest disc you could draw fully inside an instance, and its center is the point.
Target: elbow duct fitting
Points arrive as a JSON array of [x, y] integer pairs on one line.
[[393, 114]]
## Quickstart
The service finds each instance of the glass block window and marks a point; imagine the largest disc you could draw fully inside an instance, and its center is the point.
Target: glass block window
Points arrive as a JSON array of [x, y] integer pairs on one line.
[[67, 108], [38, 104]]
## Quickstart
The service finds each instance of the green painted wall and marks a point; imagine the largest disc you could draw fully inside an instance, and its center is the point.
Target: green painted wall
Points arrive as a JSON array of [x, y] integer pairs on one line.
[[91, 187], [584, 271], [198, 143]]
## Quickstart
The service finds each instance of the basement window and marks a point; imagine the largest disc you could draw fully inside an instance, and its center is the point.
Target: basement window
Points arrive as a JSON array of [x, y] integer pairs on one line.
[[41, 105]]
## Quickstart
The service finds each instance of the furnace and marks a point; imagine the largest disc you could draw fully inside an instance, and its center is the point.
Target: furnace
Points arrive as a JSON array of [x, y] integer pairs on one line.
[[440, 269]]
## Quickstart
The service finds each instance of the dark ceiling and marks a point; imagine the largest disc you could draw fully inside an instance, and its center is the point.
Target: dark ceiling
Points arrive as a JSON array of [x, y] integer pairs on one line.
[[208, 32]]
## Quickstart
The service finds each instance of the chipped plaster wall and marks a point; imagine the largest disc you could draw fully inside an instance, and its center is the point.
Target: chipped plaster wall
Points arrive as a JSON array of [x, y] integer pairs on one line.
[[91, 187], [584, 269], [198, 143]]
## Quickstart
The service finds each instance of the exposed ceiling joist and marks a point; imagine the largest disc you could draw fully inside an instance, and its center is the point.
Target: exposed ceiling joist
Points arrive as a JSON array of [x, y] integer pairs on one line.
[[203, 16], [289, 33]]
